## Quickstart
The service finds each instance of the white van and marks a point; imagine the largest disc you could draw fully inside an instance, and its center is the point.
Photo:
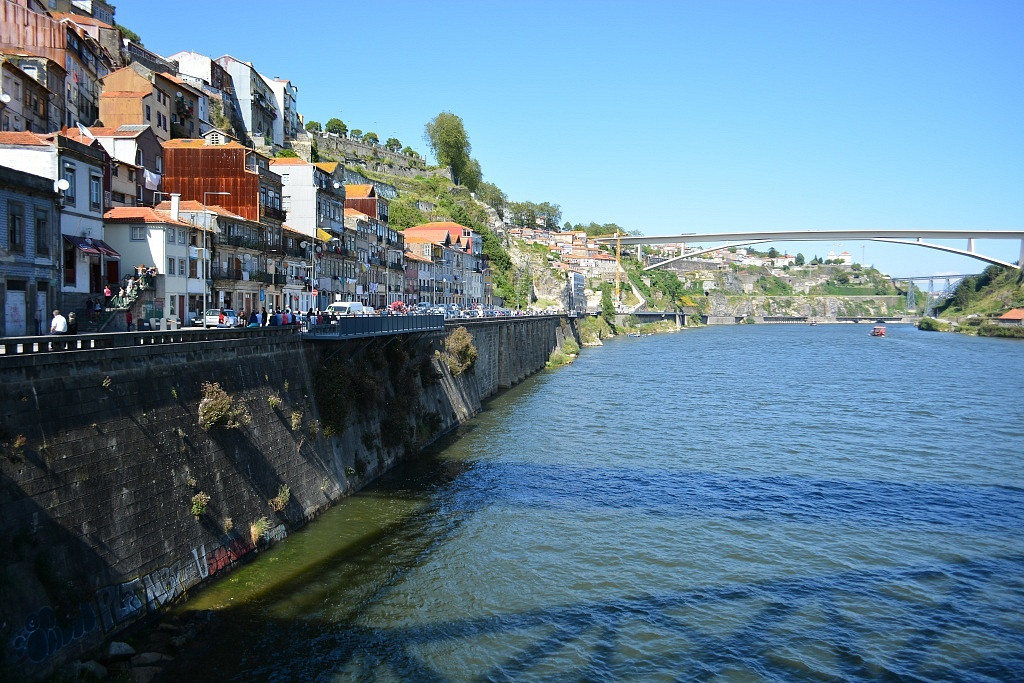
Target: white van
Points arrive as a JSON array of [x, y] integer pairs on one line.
[[346, 308]]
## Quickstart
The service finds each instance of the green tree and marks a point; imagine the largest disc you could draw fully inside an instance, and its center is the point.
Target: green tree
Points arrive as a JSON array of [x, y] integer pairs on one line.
[[336, 126], [472, 176], [490, 194], [313, 126], [799, 260], [567, 227], [402, 213], [128, 33], [410, 152], [356, 133], [285, 153], [371, 137], [393, 144], [449, 141], [842, 278], [773, 253], [607, 306]]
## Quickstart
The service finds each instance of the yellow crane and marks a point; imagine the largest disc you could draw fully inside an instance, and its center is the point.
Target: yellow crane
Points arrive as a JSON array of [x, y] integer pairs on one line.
[[618, 263]]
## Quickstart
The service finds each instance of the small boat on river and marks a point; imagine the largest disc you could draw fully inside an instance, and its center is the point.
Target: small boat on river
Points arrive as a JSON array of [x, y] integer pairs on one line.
[[878, 331]]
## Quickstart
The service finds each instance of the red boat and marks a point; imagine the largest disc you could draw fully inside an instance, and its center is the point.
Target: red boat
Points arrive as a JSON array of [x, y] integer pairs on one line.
[[878, 331]]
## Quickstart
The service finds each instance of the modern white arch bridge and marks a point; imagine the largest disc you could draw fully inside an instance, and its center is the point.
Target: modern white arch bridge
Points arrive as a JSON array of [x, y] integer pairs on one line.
[[917, 238]]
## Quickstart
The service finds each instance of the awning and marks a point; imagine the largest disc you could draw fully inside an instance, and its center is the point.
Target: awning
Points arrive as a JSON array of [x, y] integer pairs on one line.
[[323, 235], [87, 245], [83, 244]]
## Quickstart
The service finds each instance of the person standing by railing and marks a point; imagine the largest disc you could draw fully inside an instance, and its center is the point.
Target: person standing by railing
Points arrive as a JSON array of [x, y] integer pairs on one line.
[[59, 324]]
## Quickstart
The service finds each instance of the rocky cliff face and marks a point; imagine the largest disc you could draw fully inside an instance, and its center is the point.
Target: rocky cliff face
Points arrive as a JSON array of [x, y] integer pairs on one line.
[[802, 306]]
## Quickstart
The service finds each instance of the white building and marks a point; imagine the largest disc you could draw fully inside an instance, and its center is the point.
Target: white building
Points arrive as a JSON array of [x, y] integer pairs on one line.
[[287, 125], [160, 239], [258, 107]]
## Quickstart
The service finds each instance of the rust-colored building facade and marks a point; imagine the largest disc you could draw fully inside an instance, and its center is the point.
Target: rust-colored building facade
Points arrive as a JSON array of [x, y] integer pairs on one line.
[[239, 180]]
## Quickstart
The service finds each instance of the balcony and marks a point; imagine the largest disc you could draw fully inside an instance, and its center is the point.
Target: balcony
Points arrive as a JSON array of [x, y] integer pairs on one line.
[[229, 272], [280, 279], [271, 212], [239, 241]]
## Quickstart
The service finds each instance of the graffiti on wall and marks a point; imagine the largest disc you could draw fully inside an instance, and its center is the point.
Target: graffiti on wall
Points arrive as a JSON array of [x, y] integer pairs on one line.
[[115, 606]]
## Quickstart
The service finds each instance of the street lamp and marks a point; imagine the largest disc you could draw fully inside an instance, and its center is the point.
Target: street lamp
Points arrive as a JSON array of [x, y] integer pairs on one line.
[[206, 252]]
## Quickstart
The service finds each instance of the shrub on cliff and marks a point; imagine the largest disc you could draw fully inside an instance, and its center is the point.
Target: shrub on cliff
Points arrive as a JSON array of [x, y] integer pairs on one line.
[[459, 353], [215, 409]]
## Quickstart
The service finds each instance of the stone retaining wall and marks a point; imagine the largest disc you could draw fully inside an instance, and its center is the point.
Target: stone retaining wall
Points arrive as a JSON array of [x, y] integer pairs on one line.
[[103, 452]]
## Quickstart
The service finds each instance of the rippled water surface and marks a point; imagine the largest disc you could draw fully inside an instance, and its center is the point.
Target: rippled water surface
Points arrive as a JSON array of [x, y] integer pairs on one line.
[[744, 503]]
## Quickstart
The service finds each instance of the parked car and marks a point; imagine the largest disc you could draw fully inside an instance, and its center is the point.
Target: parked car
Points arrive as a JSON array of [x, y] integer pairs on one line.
[[348, 308], [220, 317]]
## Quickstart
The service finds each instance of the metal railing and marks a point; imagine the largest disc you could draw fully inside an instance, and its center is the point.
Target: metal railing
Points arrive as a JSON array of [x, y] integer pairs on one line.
[[352, 327], [30, 346]]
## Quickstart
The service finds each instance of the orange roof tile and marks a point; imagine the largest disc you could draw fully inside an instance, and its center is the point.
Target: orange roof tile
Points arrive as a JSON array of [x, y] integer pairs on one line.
[[413, 256], [329, 166], [358, 191], [1013, 314], [349, 212], [195, 206], [201, 142], [79, 19], [145, 214], [288, 161], [76, 135], [109, 132], [22, 138], [418, 239]]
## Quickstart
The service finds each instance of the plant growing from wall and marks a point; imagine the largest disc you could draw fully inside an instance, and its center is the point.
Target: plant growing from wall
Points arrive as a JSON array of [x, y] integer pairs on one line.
[[199, 503], [296, 420], [274, 401], [215, 408], [459, 353], [258, 529], [280, 501]]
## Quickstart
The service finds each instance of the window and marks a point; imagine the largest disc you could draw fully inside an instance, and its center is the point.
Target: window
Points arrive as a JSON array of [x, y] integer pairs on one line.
[[181, 236], [131, 175], [69, 175], [140, 160], [148, 113], [42, 232], [15, 227], [94, 192], [181, 268], [159, 164], [114, 169], [170, 235], [170, 266], [138, 233]]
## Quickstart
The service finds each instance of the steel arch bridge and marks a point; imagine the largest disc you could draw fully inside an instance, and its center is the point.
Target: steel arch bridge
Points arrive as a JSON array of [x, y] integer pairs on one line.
[[915, 238]]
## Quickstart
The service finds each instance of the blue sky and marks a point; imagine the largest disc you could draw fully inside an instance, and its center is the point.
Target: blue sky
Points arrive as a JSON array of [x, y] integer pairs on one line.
[[671, 117]]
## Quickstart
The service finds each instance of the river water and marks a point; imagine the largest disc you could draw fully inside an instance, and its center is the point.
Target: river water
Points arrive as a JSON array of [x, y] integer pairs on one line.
[[735, 503]]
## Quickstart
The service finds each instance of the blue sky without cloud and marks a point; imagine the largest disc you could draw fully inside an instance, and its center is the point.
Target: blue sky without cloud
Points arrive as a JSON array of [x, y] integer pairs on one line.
[[670, 117]]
